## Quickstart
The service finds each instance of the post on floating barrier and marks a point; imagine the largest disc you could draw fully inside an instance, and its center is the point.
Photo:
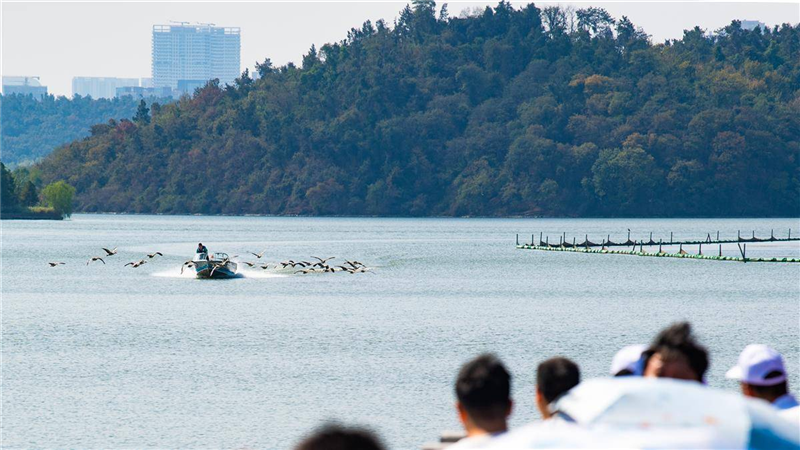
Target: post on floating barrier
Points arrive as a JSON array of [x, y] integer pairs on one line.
[[720, 249], [700, 249], [708, 237], [717, 234], [573, 241], [533, 239], [670, 237], [738, 235], [659, 246], [565, 237], [790, 233], [608, 238], [547, 243], [629, 234], [772, 233], [741, 251], [680, 248], [651, 236], [641, 247], [754, 234], [517, 238]]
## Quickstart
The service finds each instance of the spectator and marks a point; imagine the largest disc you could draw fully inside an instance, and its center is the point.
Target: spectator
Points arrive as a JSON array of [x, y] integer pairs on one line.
[[762, 374], [554, 378], [627, 361], [675, 354], [337, 437], [483, 389]]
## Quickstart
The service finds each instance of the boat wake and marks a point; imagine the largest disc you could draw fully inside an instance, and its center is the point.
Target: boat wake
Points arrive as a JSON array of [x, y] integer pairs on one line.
[[190, 274]]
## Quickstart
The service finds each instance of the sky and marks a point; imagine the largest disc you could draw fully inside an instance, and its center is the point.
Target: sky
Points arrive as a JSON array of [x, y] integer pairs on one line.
[[60, 40]]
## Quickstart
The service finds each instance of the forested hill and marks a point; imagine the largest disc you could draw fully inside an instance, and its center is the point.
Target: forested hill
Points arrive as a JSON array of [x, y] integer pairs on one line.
[[31, 129], [508, 112]]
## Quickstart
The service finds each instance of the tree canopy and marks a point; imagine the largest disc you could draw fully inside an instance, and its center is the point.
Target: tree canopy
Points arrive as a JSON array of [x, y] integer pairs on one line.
[[33, 128], [501, 111], [59, 196]]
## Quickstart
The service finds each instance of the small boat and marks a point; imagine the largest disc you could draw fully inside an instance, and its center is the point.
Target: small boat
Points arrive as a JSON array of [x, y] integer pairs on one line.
[[217, 265]]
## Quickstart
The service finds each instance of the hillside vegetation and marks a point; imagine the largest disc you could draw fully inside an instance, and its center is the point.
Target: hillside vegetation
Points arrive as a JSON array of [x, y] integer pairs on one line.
[[505, 112], [31, 129]]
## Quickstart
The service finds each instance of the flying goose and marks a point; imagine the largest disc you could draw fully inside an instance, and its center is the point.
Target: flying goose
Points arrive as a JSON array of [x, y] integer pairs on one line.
[[96, 258], [53, 264], [110, 252], [258, 255], [153, 255], [186, 264], [136, 264]]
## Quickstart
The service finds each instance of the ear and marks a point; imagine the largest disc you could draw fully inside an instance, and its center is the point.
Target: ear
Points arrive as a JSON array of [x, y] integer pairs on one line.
[[462, 413]]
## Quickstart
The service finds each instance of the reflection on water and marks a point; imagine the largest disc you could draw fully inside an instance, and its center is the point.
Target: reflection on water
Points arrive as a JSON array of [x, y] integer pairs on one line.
[[109, 356]]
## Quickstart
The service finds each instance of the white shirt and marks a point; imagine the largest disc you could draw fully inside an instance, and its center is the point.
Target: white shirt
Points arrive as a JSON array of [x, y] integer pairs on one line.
[[480, 441]]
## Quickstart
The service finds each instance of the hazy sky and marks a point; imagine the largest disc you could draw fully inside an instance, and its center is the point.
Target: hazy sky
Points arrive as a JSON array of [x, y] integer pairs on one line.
[[58, 41]]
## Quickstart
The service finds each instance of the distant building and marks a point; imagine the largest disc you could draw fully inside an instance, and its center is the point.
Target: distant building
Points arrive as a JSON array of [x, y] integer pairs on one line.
[[146, 82], [194, 53], [144, 92], [24, 86], [752, 24], [189, 86], [100, 87]]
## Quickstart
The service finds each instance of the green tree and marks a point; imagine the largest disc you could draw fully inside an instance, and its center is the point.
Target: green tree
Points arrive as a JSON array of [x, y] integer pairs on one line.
[[59, 196], [28, 196], [8, 194], [142, 115]]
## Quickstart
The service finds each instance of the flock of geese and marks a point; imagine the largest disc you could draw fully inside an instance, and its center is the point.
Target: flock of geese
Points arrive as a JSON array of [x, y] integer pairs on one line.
[[109, 253], [319, 266]]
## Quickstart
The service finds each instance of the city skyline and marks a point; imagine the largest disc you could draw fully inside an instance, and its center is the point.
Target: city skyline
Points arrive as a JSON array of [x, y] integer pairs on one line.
[[282, 32]]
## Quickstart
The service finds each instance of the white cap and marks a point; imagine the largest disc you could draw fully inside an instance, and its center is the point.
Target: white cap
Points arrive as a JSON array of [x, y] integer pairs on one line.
[[627, 358], [755, 362]]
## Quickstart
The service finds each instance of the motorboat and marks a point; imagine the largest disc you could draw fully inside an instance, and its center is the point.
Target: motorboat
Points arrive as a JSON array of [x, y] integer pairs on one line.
[[215, 265]]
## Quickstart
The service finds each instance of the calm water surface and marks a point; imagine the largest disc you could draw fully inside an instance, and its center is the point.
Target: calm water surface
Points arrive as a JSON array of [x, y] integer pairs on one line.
[[105, 356]]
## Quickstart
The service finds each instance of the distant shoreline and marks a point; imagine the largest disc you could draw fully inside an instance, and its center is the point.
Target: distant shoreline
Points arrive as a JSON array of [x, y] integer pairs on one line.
[[353, 216], [28, 215]]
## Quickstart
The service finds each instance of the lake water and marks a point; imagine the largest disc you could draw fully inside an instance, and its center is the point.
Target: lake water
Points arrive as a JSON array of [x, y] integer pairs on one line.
[[106, 356]]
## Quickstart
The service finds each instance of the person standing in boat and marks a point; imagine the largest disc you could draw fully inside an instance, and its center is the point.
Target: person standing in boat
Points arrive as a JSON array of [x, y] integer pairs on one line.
[[201, 248]]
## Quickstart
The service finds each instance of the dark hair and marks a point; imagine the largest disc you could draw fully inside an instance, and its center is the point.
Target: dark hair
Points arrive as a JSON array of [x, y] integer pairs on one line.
[[624, 373], [483, 387], [677, 340], [771, 392], [337, 437], [555, 377]]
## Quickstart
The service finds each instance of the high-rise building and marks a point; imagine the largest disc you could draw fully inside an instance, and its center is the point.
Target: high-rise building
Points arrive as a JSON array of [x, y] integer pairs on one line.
[[100, 87], [24, 86], [193, 53]]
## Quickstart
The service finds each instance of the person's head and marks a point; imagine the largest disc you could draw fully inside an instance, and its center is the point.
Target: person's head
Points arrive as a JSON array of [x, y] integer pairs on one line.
[[676, 354], [337, 437], [761, 373], [483, 390], [554, 378], [625, 362]]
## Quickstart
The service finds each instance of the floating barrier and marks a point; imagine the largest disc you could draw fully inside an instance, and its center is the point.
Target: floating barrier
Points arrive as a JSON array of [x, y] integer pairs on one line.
[[562, 240], [550, 248]]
